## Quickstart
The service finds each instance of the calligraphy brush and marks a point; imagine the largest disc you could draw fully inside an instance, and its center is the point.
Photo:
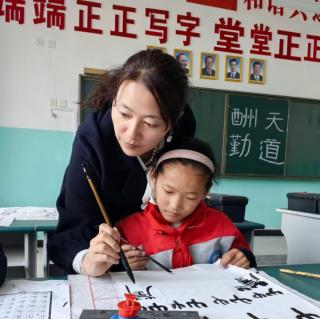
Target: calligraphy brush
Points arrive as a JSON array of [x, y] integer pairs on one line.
[[149, 257], [123, 257], [301, 273]]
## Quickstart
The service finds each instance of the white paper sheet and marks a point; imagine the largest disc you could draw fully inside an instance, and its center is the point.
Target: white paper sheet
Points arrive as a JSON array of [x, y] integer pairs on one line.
[[214, 292], [60, 306], [9, 214], [21, 305], [6, 219]]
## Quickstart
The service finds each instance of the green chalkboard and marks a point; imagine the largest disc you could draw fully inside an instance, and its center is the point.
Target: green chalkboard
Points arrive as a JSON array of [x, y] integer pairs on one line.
[[294, 149], [208, 108], [303, 146], [256, 135]]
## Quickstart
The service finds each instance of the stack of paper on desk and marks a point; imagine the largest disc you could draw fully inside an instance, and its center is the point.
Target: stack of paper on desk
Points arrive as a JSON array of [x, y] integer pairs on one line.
[[212, 291], [9, 214]]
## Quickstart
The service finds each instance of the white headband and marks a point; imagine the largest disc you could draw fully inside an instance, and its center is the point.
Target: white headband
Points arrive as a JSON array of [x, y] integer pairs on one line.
[[187, 154]]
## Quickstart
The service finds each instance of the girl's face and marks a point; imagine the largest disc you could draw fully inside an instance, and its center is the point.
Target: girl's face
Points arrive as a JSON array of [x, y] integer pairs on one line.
[[136, 118], [178, 190]]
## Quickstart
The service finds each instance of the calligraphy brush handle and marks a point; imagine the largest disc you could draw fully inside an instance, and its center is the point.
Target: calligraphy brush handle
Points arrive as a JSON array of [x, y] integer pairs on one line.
[[96, 195], [300, 273], [148, 256], [123, 257], [159, 264]]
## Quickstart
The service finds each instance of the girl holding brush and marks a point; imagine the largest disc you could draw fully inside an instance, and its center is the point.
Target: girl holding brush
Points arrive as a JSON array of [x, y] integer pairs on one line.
[[177, 228]]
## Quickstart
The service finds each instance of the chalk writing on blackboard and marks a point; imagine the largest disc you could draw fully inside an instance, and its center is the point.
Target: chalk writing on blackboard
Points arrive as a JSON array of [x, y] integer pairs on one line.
[[256, 136], [269, 147]]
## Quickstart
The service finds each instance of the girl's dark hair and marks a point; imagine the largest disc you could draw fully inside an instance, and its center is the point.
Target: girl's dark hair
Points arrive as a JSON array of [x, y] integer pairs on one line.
[[162, 75], [192, 144]]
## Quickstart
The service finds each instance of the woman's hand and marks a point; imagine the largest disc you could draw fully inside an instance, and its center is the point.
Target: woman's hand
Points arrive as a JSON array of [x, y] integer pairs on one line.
[[103, 251], [234, 257], [136, 256]]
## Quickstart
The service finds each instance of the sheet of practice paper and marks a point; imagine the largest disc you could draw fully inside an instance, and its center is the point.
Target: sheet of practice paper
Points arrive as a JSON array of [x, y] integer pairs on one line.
[[22, 305], [35, 299], [214, 292]]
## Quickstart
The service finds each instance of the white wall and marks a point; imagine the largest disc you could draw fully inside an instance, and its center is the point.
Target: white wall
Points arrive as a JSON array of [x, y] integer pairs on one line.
[[32, 75]]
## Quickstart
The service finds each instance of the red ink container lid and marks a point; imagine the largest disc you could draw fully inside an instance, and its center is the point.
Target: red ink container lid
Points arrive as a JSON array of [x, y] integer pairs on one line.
[[130, 307]]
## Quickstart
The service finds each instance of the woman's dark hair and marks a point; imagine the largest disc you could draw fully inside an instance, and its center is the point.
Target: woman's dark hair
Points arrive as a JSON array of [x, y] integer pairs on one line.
[[192, 144], [162, 75]]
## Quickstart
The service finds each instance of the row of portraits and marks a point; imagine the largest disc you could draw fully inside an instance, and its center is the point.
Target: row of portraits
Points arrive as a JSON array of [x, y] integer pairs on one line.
[[233, 66]]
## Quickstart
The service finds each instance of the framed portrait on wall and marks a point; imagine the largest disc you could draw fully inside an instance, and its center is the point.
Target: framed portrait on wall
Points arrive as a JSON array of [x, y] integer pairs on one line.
[[257, 71], [185, 59], [233, 68], [153, 47], [208, 66]]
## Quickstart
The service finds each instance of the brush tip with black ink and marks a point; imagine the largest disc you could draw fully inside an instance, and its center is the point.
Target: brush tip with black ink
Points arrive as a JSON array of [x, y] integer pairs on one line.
[[126, 266]]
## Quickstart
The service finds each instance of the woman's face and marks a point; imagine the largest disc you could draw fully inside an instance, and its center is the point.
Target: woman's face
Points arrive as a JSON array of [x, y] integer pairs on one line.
[[136, 118]]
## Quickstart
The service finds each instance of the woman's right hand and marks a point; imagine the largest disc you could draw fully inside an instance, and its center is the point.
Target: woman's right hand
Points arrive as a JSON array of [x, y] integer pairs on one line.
[[103, 251]]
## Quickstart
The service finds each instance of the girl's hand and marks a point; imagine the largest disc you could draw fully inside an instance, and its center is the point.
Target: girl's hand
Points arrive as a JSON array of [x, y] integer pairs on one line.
[[103, 251], [136, 256], [234, 257]]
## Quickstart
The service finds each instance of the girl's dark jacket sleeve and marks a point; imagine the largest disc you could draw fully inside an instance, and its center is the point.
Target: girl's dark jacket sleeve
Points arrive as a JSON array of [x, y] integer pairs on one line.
[[3, 266], [119, 179]]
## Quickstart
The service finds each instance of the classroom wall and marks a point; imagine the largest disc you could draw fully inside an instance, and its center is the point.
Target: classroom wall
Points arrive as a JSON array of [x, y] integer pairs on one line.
[[40, 69], [32, 165]]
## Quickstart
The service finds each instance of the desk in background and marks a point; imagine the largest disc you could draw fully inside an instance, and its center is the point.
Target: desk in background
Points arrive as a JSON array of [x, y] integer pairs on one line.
[[302, 233], [21, 238], [305, 285], [24, 234], [20, 241], [47, 229], [247, 229]]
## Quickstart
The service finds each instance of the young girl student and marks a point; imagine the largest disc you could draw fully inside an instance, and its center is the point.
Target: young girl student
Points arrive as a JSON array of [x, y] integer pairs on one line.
[[178, 229]]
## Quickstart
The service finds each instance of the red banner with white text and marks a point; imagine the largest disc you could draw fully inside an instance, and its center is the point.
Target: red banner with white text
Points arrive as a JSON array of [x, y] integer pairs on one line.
[[224, 4]]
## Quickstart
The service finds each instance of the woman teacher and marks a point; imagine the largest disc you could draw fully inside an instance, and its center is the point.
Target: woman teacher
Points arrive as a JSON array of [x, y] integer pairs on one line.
[[140, 107]]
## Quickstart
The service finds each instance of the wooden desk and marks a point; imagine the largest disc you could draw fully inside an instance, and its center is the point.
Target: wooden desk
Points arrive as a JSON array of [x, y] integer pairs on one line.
[[306, 285]]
